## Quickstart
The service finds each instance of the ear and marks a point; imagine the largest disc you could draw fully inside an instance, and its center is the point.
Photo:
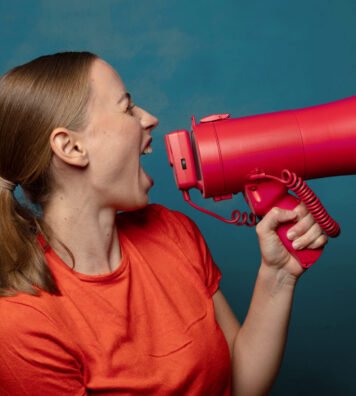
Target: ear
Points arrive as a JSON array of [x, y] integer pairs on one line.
[[67, 146]]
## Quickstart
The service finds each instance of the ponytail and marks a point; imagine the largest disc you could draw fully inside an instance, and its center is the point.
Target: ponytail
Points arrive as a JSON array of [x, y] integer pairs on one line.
[[35, 98], [22, 264]]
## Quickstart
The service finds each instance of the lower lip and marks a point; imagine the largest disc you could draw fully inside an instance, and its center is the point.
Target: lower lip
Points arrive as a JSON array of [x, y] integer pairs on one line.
[[149, 178]]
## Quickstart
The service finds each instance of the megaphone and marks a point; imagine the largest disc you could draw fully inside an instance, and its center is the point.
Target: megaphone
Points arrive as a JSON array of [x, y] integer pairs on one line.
[[263, 156]]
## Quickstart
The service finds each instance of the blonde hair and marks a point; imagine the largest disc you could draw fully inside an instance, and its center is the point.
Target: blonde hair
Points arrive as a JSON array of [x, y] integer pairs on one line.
[[35, 98]]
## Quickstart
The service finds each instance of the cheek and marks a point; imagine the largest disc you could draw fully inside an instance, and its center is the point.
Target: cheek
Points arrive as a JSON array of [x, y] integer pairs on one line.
[[117, 141], [120, 158]]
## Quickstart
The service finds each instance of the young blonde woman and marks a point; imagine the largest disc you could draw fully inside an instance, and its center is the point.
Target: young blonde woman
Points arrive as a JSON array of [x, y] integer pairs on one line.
[[96, 302]]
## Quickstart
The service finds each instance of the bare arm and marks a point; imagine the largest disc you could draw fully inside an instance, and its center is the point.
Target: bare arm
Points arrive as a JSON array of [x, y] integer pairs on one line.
[[257, 346]]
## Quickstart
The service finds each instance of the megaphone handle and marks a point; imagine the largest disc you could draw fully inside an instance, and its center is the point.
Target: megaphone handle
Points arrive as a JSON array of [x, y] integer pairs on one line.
[[262, 196], [306, 257]]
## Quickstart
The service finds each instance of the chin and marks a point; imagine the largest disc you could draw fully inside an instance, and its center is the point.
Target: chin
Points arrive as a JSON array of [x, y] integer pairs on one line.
[[134, 205]]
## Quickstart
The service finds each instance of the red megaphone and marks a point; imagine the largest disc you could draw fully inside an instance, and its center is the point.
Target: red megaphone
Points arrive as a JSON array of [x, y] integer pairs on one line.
[[265, 155]]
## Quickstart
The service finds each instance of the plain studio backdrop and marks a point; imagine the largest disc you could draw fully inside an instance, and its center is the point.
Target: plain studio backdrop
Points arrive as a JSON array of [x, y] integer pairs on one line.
[[185, 57]]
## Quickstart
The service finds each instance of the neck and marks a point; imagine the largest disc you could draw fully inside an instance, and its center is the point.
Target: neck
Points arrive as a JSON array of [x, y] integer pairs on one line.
[[89, 232]]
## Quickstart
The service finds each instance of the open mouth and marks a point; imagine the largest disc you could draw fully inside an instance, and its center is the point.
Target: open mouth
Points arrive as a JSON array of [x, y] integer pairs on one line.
[[148, 148], [144, 152]]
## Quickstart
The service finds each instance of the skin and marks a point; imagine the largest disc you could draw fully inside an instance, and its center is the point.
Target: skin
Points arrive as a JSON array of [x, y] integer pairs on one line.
[[97, 172]]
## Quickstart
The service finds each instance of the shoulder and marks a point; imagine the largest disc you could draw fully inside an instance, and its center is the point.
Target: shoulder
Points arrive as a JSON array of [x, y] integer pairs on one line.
[[25, 325], [31, 315], [31, 325], [35, 349], [23, 313]]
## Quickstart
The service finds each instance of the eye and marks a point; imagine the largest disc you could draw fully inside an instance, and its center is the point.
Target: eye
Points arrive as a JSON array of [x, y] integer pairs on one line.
[[129, 108]]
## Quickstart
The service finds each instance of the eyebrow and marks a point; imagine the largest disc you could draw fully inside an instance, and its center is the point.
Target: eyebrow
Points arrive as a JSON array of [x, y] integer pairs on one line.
[[125, 95]]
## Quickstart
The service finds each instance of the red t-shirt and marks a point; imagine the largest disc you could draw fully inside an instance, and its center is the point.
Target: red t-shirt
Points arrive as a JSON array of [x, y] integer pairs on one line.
[[148, 328]]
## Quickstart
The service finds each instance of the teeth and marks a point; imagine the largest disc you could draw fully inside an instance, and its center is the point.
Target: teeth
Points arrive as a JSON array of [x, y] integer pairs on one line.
[[147, 150]]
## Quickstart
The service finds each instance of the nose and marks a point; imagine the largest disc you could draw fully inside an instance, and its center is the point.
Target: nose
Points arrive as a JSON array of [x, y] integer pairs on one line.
[[148, 121]]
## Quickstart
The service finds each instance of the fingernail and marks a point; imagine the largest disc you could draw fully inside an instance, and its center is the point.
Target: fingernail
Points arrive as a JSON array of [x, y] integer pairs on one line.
[[296, 245], [291, 235]]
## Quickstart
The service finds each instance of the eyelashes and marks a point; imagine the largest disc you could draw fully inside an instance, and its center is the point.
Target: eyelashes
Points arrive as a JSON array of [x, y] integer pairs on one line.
[[130, 107]]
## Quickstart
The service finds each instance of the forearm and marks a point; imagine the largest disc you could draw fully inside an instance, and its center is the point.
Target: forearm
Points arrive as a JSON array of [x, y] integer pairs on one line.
[[260, 342]]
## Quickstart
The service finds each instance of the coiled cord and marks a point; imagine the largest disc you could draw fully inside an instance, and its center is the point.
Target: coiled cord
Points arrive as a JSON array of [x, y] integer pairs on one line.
[[293, 183], [237, 218], [306, 195]]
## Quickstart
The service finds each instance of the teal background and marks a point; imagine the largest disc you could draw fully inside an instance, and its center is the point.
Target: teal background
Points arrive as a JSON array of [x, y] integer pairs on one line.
[[180, 58]]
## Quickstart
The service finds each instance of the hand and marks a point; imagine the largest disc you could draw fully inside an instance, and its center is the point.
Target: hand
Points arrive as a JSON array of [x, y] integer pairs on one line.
[[306, 233]]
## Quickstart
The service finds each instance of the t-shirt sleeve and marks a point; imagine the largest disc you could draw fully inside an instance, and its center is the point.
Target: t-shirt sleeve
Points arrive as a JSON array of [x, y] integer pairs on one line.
[[192, 242], [35, 360]]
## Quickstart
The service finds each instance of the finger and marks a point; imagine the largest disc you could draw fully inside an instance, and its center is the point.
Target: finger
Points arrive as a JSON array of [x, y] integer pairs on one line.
[[301, 227], [301, 210], [273, 219], [319, 242], [308, 238]]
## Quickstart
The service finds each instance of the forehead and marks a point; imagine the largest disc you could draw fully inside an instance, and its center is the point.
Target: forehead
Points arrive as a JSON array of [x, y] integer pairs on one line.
[[104, 80]]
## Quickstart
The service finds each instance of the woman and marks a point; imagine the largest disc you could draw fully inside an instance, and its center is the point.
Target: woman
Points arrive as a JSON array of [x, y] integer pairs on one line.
[[96, 302]]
